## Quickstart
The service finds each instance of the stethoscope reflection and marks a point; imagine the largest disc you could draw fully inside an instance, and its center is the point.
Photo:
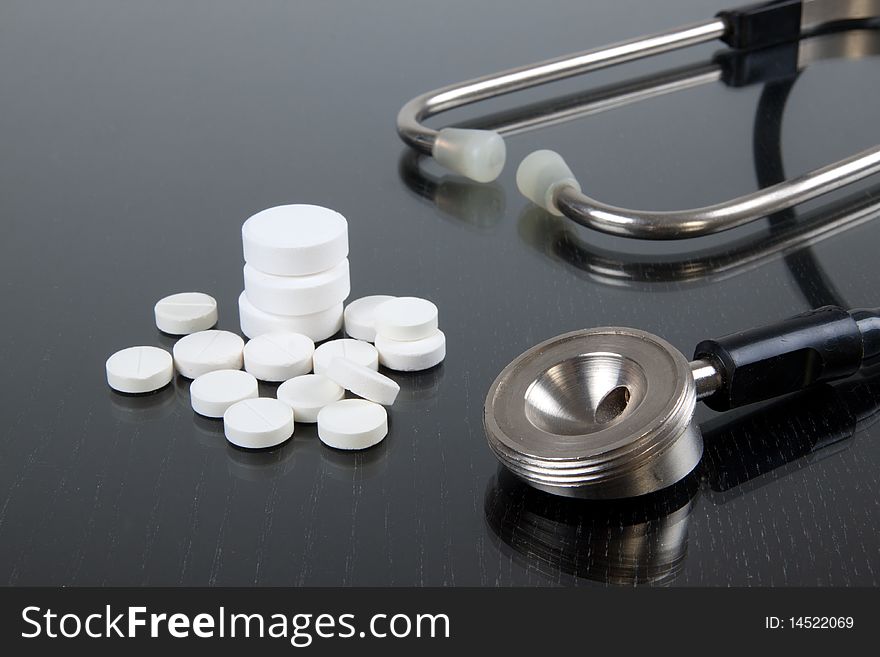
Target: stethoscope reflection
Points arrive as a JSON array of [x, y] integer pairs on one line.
[[471, 205], [558, 240], [644, 540], [756, 448], [628, 543]]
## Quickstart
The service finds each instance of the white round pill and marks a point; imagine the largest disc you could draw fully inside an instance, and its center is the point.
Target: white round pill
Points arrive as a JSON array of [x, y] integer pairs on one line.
[[295, 240], [279, 356], [363, 381], [412, 355], [357, 351], [406, 318], [258, 423], [297, 295], [212, 393], [352, 424], [185, 313], [206, 351], [360, 316], [139, 369], [317, 326], [308, 394]]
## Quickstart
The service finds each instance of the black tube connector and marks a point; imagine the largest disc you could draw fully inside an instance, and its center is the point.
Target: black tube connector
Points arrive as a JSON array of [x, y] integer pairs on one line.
[[740, 68], [825, 344], [761, 25]]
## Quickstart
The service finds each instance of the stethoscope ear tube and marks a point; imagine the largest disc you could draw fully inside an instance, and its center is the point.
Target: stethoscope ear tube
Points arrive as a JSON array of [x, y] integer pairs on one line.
[[825, 344]]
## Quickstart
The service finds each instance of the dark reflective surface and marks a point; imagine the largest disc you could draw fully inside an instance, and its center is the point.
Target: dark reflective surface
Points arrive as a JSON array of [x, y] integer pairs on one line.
[[137, 138], [643, 541]]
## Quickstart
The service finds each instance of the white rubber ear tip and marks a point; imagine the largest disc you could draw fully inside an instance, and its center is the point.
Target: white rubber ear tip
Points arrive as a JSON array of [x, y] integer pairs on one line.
[[477, 154], [540, 174]]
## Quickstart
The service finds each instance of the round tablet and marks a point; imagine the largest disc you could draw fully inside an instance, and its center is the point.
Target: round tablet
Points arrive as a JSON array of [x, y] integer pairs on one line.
[[357, 351], [185, 313], [363, 381], [308, 394], [360, 315], [352, 424], [258, 423], [139, 369], [206, 351], [295, 240], [212, 393], [297, 295], [412, 355], [406, 318], [279, 356], [317, 326]]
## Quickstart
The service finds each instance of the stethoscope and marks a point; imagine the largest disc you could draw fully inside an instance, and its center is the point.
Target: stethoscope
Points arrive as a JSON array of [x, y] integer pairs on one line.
[[480, 207], [644, 540], [607, 413], [770, 41]]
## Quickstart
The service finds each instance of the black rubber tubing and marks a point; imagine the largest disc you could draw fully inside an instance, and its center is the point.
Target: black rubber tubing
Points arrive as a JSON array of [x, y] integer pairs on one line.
[[824, 344]]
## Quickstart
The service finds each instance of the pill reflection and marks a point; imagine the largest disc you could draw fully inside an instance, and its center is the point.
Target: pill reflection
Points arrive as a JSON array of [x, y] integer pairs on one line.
[[260, 464], [416, 388], [352, 467], [133, 409]]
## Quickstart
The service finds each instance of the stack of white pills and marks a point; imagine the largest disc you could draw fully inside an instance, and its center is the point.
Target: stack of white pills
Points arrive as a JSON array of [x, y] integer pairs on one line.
[[296, 273], [296, 279], [407, 337]]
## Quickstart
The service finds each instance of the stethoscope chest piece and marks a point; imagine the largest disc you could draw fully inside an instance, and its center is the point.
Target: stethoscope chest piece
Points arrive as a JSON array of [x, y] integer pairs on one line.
[[608, 412], [600, 413]]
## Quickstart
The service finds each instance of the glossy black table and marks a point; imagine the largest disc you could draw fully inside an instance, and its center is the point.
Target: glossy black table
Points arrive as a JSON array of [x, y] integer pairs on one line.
[[138, 137]]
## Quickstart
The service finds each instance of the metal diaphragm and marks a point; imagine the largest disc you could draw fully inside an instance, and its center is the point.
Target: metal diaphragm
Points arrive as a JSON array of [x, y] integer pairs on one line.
[[601, 413]]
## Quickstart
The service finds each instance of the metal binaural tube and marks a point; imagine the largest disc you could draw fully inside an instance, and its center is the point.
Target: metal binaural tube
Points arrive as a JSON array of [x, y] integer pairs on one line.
[[667, 225], [420, 137]]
